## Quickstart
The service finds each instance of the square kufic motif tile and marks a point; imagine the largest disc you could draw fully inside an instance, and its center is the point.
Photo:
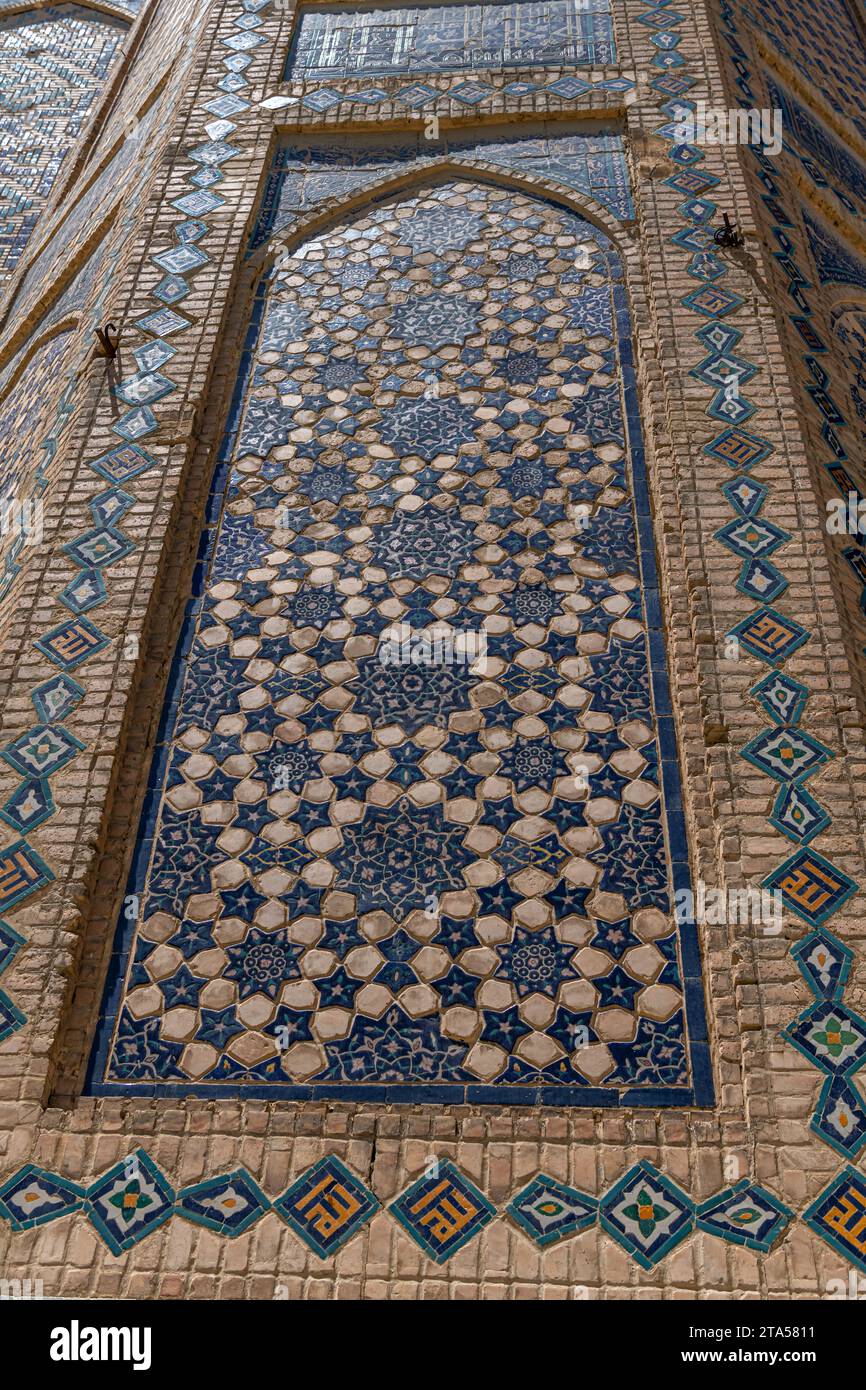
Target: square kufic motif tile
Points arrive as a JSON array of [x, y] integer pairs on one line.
[[442, 1211], [838, 1216], [327, 1206]]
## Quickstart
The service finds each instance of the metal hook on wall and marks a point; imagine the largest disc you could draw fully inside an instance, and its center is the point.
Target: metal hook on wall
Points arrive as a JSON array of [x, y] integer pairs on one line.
[[107, 345]]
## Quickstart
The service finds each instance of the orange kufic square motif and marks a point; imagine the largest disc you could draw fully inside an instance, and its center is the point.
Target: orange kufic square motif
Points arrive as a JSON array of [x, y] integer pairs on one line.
[[432, 628]]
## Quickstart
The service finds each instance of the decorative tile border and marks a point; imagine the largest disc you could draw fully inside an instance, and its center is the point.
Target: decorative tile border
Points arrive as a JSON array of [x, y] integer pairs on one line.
[[827, 1033], [472, 93], [442, 1211]]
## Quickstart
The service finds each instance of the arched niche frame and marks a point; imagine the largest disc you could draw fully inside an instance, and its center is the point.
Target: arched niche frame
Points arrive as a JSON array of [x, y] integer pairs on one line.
[[415, 180]]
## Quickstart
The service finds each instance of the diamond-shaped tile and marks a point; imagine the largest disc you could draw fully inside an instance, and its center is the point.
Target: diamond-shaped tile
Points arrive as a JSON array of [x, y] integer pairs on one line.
[[33, 1196], [136, 424], [129, 1202], [322, 100], [831, 1036], [738, 448], [712, 300], [163, 323], [11, 1017], [28, 806], [745, 495], [646, 1214], [548, 1210], [417, 95], [782, 697], [770, 636], [180, 260], [326, 1206], [442, 1211], [838, 1216], [568, 87], [100, 547], [109, 506], [145, 388], [42, 751], [787, 754], [171, 290], [198, 204], [751, 538], [72, 642], [213, 153], [840, 1117], [228, 1205], [746, 1215], [10, 944], [22, 872], [811, 886], [56, 698], [798, 815], [153, 355], [824, 962]]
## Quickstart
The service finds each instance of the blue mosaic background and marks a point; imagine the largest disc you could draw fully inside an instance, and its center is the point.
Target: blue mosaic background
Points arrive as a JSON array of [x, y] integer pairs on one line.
[[304, 175], [445, 38], [392, 882], [53, 64]]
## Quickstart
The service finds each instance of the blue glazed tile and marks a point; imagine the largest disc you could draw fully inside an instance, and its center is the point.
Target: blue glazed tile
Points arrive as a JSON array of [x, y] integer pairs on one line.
[[42, 751], [10, 944], [840, 1119], [56, 698], [831, 1036], [442, 1211], [548, 1210], [824, 962], [173, 289], [837, 1215], [228, 1205], [22, 872], [396, 856], [129, 1202], [11, 1017], [811, 886], [786, 753], [770, 636], [32, 1197], [72, 642], [136, 424], [745, 1215], [646, 1214], [327, 1206], [798, 815], [28, 807], [163, 323]]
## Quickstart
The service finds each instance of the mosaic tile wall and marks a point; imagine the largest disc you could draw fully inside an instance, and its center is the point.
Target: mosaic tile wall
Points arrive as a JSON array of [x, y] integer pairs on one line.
[[824, 42], [53, 64], [445, 38], [303, 176], [814, 260], [405, 880]]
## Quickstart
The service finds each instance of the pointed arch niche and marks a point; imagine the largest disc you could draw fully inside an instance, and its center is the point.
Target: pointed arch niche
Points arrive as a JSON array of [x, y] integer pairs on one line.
[[422, 878]]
